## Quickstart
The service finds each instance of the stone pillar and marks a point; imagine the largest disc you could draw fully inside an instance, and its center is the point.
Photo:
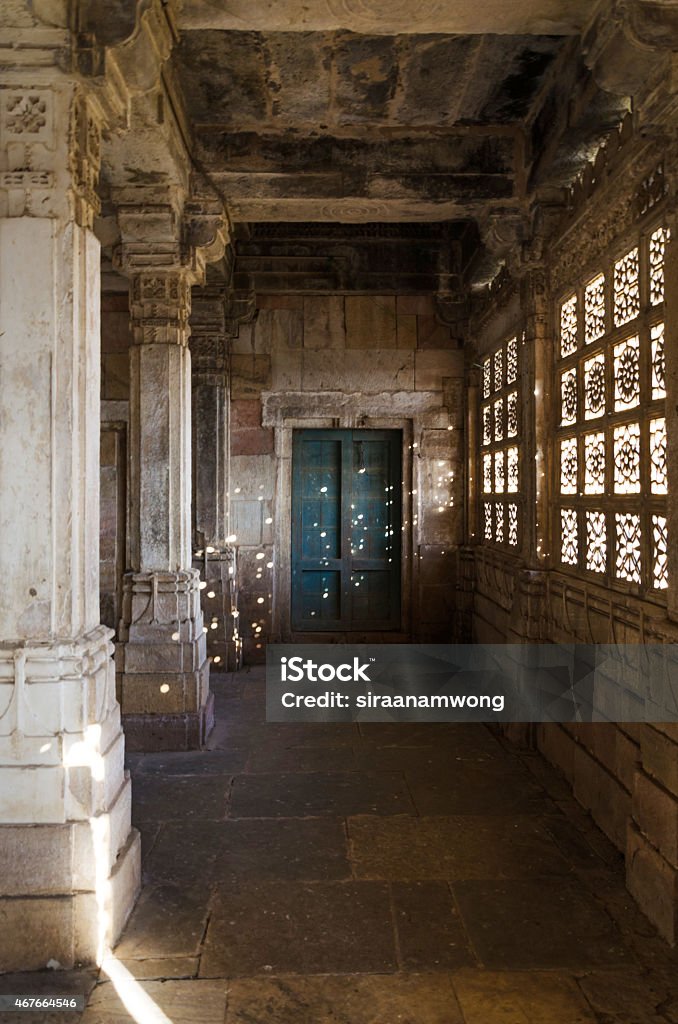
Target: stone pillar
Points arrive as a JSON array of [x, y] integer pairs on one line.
[[69, 860], [165, 696], [214, 556], [537, 455], [535, 347]]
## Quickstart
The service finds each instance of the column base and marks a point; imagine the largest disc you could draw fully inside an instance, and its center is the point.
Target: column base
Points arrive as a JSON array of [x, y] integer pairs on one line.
[[162, 661], [189, 731], [65, 930], [69, 860]]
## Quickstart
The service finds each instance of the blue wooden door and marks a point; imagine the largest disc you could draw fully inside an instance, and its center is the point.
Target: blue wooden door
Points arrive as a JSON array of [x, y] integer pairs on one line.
[[346, 529]]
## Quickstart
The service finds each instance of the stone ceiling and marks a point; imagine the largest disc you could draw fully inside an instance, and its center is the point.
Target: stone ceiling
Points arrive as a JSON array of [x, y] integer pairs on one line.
[[342, 126], [374, 110]]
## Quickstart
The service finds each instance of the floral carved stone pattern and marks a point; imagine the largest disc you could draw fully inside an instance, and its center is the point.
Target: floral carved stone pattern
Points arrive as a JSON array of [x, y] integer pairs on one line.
[[627, 288], [596, 541], [594, 386], [569, 396], [660, 559], [569, 536], [627, 458], [568, 466], [26, 114], [594, 460], [627, 374], [658, 364], [628, 547]]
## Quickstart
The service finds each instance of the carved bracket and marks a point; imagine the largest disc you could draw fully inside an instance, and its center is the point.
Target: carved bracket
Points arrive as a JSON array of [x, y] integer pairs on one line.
[[241, 308]]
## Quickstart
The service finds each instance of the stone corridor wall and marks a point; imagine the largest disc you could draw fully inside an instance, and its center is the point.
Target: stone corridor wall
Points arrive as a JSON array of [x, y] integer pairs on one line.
[[345, 361], [625, 775]]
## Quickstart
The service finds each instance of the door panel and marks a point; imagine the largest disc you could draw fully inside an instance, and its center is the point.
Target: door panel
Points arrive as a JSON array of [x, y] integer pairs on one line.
[[346, 537]]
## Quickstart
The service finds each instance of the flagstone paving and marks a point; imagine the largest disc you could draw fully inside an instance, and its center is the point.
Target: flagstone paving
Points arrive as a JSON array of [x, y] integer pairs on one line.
[[373, 874]]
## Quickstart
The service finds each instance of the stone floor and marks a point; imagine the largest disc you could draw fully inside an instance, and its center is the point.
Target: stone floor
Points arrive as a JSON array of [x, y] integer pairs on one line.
[[374, 874]]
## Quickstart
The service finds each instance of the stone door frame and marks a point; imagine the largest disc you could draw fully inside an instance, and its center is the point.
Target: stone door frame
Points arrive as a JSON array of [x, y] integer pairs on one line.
[[403, 411]]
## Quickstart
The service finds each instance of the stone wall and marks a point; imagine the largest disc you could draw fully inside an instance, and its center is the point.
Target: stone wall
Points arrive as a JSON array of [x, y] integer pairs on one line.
[[345, 361], [625, 775]]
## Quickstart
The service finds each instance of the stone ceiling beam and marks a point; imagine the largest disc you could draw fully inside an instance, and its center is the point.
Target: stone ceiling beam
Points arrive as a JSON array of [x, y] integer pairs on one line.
[[353, 209], [354, 180], [384, 17]]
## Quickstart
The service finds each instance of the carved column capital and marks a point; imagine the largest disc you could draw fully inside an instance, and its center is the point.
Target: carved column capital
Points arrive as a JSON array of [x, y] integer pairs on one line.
[[166, 242], [167, 232], [209, 344], [160, 306], [45, 171]]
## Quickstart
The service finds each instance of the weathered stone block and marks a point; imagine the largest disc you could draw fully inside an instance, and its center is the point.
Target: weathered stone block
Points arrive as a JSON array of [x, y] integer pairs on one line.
[[33, 797], [170, 732], [245, 414], [440, 524], [246, 521], [602, 795], [441, 444], [243, 343], [250, 375], [364, 372], [432, 366], [557, 747], [276, 329], [370, 321], [406, 331], [35, 859], [286, 370], [34, 932], [656, 814], [436, 565], [416, 305], [324, 324], [253, 562], [257, 441], [431, 334], [626, 759], [660, 756], [601, 740], [252, 477], [653, 883]]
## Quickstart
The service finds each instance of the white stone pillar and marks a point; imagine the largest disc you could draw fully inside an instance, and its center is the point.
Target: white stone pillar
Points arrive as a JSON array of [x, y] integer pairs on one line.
[[69, 860], [165, 695]]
